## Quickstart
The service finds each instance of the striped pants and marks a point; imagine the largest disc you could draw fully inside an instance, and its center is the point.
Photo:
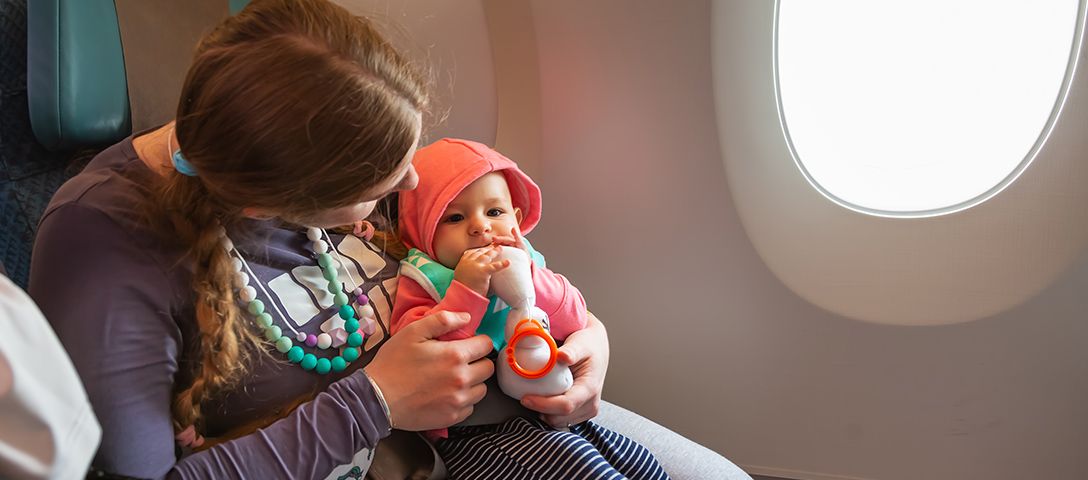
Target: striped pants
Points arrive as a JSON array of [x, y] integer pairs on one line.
[[529, 449]]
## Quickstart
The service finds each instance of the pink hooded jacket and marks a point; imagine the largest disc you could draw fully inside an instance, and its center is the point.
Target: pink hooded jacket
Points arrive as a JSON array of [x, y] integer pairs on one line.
[[445, 168]]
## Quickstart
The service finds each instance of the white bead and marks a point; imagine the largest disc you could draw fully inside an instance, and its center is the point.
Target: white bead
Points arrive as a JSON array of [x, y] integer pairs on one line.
[[248, 294], [313, 233], [227, 244], [365, 311], [236, 264], [323, 341], [241, 279], [320, 246], [300, 336]]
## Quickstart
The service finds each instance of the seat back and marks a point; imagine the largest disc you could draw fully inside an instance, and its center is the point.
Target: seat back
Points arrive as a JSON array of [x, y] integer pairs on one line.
[[98, 69]]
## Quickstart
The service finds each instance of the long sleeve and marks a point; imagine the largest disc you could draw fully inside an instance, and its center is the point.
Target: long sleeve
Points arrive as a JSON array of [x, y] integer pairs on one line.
[[564, 304], [414, 303], [112, 304], [317, 437]]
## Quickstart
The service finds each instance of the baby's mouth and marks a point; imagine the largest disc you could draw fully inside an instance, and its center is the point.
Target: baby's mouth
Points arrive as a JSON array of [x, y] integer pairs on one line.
[[483, 242]]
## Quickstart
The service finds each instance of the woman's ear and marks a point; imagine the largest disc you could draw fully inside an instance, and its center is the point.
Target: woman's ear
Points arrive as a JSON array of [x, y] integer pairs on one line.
[[518, 215]]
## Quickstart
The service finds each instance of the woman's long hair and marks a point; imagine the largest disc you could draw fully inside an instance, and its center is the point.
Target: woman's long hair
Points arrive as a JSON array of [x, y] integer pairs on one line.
[[290, 106]]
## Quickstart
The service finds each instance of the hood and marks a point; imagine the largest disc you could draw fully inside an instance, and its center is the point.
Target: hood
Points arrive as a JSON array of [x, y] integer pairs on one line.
[[445, 168]]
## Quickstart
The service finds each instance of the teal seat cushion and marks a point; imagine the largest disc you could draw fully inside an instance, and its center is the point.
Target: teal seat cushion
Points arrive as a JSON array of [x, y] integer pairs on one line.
[[76, 84]]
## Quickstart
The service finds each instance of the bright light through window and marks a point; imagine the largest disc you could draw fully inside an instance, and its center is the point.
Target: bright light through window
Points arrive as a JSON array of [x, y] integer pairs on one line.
[[924, 106]]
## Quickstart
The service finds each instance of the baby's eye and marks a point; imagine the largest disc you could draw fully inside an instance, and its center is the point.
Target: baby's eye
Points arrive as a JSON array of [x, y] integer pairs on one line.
[[457, 217], [494, 212]]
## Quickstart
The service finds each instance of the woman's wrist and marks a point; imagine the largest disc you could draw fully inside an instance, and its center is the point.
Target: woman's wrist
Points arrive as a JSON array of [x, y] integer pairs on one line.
[[381, 400]]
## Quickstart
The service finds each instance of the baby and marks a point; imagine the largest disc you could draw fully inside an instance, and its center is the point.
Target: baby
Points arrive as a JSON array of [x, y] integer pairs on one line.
[[469, 201]]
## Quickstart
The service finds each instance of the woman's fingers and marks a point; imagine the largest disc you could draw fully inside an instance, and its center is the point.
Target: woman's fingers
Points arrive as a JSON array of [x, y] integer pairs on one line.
[[429, 383], [570, 354], [586, 353], [434, 326], [577, 405], [477, 393], [469, 350], [481, 370]]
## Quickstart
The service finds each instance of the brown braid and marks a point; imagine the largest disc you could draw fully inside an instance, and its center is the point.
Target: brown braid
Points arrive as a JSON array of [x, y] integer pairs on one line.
[[226, 341]]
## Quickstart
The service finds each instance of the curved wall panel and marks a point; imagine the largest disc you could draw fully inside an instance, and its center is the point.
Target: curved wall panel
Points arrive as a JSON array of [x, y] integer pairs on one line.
[[905, 271]]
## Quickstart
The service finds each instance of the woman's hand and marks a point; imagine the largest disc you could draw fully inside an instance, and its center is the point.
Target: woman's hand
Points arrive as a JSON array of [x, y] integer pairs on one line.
[[586, 352], [429, 383]]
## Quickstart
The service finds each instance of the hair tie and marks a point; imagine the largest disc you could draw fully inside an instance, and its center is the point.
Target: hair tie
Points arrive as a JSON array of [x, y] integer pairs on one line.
[[188, 438], [182, 165], [364, 229]]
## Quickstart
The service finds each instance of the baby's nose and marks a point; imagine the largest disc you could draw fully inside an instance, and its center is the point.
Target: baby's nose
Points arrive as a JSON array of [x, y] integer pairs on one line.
[[481, 227]]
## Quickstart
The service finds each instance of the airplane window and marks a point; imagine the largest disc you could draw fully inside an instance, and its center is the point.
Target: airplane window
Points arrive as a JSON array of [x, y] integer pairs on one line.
[[924, 107]]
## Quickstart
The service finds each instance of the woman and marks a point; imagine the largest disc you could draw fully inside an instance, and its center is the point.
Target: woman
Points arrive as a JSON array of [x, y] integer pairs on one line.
[[167, 264]]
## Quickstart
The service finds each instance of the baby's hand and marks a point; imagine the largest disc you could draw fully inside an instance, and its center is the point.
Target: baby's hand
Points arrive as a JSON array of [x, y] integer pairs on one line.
[[513, 240], [476, 266]]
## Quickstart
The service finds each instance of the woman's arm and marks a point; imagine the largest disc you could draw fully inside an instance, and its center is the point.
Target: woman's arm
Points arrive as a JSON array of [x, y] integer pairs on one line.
[[109, 302], [586, 352]]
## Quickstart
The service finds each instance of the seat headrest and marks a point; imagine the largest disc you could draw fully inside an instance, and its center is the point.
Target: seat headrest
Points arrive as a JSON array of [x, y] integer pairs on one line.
[[79, 91]]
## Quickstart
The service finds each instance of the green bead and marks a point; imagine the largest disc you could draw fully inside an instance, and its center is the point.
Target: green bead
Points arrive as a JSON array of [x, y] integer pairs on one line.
[[340, 299], [309, 361], [350, 354], [355, 339], [335, 287], [339, 364], [324, 260], [330, 274], [272, 333], [256, 307], [323, 366], [351, 325], [294, 355], [347, 313], [264, 320], [283, 344]]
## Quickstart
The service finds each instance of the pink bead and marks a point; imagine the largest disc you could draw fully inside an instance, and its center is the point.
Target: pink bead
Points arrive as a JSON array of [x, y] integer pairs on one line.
[[339, 337], [361, 299], [311, 340], [369, 327]]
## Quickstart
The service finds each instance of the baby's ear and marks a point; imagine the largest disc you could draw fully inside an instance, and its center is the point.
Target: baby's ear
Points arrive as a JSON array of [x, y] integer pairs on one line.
[[517, 215]]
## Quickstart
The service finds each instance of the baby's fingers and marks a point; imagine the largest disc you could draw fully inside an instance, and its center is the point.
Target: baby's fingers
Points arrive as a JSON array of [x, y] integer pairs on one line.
[[475, 254], [497, 266]]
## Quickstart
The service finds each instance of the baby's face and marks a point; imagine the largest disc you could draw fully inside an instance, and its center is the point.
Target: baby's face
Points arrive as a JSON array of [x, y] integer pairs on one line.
[[482, 211]]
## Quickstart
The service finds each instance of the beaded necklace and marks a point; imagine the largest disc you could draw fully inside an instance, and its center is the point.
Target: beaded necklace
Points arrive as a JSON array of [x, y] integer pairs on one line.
[[345, 333]]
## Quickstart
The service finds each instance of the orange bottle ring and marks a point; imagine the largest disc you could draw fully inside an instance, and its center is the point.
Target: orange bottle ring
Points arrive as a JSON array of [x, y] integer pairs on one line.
[[532, 330]]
